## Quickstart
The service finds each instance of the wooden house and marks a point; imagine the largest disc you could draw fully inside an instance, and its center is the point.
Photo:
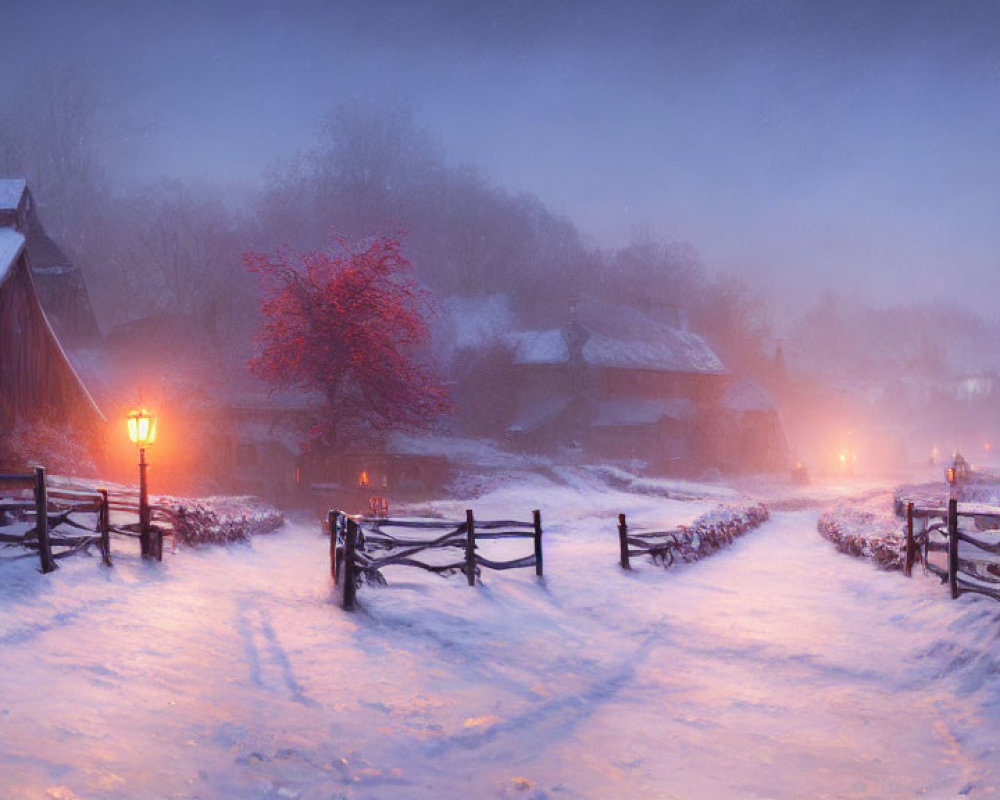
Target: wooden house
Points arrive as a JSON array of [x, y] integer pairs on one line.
[[37, 380], [616, 385]]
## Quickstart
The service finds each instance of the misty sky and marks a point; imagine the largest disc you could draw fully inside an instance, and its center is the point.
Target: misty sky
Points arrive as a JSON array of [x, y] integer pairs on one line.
[[812, 145]]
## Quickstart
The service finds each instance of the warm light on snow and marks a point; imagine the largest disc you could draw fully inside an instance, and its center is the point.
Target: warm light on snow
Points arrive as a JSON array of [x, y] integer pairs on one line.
[[777, 668]]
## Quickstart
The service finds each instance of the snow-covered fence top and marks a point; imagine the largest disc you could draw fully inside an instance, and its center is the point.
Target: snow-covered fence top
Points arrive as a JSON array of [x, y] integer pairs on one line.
[[976, 569], [361, 547], [57, 519], [710, 532], [31, 523]]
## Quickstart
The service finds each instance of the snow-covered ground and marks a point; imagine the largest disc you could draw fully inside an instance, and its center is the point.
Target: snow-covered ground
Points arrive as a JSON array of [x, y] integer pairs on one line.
[[775, 669]]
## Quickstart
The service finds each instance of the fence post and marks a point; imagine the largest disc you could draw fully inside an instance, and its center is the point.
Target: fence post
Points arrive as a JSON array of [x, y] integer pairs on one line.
[[332, 522], [953, 546], [470, 547], [537, 517], [623, 542], [910, 545], [104, 527], [350, 543], [42, 521], [155, 538]]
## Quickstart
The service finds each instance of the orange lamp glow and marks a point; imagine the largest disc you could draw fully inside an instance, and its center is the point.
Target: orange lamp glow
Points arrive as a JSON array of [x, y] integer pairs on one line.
[[363, 479], [141, 427]]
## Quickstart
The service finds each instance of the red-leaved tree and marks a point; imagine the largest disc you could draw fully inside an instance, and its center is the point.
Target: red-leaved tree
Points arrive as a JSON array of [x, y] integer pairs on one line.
[[347, 323]]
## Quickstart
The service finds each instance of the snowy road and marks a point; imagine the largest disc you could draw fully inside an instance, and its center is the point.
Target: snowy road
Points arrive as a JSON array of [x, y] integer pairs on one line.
[[777, 669]]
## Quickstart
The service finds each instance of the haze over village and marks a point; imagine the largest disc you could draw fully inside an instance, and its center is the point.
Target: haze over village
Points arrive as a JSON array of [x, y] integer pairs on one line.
[[661, 281]]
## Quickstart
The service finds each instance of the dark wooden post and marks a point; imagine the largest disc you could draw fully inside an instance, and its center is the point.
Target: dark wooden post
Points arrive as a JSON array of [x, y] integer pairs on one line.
[[104, 527], [623, 542], [42, 521], [470, 547], [332, 520], [145, 546], [350, 543], [537, 517], [155, 536], [910, 545], [953, 546]]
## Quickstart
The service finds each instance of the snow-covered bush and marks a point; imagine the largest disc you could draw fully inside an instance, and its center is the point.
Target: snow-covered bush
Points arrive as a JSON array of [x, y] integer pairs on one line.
[[711, 532], [867, 529], [218, 520]]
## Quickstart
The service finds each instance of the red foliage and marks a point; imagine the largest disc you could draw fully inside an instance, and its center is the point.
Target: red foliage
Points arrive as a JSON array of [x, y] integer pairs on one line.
[[346, 323]]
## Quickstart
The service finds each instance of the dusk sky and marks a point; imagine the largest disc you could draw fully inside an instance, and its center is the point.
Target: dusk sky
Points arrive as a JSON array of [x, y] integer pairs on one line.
[[805, 146]]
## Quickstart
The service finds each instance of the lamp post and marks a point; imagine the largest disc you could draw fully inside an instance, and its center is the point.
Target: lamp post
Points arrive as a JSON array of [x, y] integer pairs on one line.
[[142, 432]]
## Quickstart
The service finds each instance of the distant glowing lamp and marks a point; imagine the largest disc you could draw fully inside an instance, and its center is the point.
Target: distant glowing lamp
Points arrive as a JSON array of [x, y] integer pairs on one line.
[[142, 432], [951, 474], [363, 479]]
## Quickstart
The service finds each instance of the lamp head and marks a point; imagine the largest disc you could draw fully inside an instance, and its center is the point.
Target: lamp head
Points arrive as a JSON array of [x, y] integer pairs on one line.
[[141, 427]]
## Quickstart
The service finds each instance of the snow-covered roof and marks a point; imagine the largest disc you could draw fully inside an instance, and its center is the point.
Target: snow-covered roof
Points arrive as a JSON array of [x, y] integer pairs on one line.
[[621, 338], [539, 347], [11, 192], [747, 395], [641, 412], [669, 351], [11, 243]]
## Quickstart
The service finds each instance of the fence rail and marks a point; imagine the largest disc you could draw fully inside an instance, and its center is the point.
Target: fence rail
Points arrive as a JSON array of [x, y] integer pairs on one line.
[[361, 547], [63, 521], [964, 573], [663, 546]]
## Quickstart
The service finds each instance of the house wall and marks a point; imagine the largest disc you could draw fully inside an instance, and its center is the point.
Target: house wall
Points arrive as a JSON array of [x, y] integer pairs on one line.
[[35, 377], [668, 446], [617, 384]]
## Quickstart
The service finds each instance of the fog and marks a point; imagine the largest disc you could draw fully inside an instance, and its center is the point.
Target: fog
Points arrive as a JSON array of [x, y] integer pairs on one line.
[[819, 158], [809, 145]]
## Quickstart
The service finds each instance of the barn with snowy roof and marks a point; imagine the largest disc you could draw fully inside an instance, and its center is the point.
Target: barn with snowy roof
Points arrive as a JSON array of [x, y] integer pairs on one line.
[[37, 380], [621, 385], [618, 384]]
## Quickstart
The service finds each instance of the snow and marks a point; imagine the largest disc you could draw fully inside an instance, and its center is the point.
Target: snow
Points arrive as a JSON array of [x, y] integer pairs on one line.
[[11, 192], [670, 351], [777, 668], [11, 243], [477, 322], [540, 347], [666, 350]]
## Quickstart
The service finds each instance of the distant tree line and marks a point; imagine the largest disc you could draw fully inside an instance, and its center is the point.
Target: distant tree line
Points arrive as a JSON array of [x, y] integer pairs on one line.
[[175, 249]]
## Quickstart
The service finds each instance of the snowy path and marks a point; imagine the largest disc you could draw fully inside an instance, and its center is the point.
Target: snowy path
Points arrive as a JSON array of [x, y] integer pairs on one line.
[[777, 669]]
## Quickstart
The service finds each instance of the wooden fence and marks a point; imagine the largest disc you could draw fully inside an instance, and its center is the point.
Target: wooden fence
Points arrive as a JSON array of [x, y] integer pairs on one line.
[[50, 508], [62, 521], [973, 569], [361, 547], [664, 546]]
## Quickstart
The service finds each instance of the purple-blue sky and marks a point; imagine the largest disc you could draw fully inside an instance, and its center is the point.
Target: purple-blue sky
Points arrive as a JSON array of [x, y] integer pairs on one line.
[[803, 145]]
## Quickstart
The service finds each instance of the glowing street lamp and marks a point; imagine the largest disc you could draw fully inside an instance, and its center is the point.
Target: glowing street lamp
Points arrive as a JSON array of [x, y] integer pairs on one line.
[[142, 432], [141, 427]]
